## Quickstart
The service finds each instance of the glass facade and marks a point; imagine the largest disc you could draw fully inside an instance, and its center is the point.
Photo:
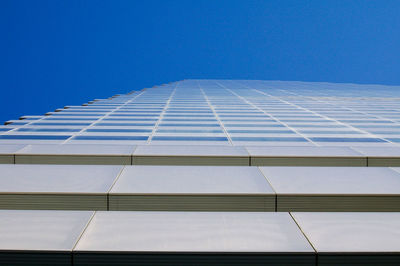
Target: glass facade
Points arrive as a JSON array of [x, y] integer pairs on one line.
[[222, 112], [207, 172]]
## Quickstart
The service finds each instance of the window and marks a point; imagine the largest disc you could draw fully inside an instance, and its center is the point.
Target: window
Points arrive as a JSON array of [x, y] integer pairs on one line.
[[29, 129], [189, 138], [269, 139], [118, 130], [111, 137], [347, 140], [39, 137]]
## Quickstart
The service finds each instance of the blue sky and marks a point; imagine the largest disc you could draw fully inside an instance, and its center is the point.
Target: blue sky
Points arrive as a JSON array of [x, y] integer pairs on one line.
[[56, 53]]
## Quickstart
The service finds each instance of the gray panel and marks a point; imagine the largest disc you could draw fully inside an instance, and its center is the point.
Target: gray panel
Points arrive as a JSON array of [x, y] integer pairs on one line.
[[69, 187], [189, 160], [73, 159], [57, 178], [335, 188], [40, 237], [305, 156], [387, 152], [191, 202], [6, 159], [190, 155], [41, 230], [10, 148], [7, 152], [53, 201], [353, 203], [192, 179], [192, 188], [75, 154], [159, 150], [351, 233], [381, 156], [193, 232], [333, 180]]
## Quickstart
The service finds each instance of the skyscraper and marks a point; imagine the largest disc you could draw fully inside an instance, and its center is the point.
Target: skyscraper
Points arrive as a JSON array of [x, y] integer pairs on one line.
[[207, 172]]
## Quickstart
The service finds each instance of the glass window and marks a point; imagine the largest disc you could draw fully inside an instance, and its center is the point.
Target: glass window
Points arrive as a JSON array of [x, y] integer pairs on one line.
[[60, 124], [111, 137], [347, 140], [253, 125], [269, 139], [28, 129], [260, 131], [131, 119], [187, 125], [161, 130], [41, 137], [118, 130], [189, 138], [126, 124]]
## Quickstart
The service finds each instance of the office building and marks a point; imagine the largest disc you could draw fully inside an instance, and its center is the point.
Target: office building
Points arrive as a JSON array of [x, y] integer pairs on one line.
[[206, 172]]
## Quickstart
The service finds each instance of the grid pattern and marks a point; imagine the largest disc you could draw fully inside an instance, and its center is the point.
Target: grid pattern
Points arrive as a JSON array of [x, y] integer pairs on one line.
[[225, 112], [199, 188], [232, 238], [207, 172]]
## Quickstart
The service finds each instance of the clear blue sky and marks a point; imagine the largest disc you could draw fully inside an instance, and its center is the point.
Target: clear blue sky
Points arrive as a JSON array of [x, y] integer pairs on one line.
[[56, 53]]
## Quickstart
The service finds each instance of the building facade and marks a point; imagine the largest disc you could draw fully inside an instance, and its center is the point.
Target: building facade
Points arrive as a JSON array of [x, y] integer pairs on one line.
[[207, 172]]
